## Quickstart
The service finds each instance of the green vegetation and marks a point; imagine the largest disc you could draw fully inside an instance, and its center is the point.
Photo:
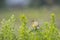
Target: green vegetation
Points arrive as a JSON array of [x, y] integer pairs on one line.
[[48, 31]]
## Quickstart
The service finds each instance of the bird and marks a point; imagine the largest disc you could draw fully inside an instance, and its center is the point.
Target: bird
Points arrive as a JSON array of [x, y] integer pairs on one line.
[[35, 24]]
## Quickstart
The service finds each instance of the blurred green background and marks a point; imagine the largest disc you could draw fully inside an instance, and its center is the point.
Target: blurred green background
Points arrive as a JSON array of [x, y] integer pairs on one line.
[[34, 9]]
